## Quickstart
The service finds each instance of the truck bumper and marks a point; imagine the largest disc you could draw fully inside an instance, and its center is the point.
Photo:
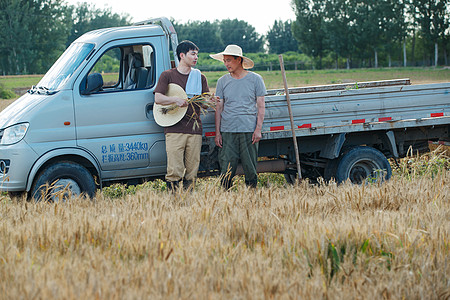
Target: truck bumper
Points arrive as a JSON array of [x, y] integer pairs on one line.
[[15, 164]]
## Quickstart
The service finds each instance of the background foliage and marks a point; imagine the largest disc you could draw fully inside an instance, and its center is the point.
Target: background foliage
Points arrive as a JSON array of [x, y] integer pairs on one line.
[[364, 31], [325, 34]]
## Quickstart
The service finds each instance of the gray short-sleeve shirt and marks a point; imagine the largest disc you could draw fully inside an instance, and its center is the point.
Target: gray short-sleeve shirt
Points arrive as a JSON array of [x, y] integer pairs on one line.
[[240, 111]]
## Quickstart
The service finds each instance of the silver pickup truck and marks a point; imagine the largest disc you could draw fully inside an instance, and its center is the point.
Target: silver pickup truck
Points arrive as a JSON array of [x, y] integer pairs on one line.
[[80, 129]]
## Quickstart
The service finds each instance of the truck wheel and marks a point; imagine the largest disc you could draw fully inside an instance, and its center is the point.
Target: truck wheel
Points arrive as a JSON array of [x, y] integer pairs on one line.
[[363, 164], [61, 181]]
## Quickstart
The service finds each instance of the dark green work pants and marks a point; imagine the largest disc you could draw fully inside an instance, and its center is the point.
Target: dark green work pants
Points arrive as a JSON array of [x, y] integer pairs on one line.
[[237, 146]]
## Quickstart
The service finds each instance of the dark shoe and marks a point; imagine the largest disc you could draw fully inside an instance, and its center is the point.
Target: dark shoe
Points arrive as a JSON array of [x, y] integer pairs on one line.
[[187, 184], [251, 184], [226, 182], [172, 185]]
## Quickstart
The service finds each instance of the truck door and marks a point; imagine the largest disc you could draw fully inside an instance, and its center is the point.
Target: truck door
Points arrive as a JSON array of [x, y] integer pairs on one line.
[[112, 101]]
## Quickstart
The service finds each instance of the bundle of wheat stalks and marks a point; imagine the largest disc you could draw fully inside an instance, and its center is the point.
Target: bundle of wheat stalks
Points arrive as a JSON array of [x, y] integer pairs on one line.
[[203, 101]]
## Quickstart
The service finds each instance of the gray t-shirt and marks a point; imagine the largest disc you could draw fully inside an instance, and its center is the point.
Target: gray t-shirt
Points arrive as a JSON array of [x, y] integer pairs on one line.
[[239, 110]]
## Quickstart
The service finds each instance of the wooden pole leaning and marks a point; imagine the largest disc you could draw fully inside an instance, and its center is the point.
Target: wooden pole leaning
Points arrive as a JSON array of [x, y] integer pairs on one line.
[[288, 99]]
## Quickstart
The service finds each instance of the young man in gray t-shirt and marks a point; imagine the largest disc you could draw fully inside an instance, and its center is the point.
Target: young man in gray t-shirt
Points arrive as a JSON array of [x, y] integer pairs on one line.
[[239, 115]]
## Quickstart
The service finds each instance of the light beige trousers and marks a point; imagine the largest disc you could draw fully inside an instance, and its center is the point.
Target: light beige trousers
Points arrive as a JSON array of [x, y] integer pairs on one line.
[[183, 156]]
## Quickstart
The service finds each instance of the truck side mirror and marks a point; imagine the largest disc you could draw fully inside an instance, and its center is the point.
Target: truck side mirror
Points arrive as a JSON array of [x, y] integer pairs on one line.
[[94, 83]]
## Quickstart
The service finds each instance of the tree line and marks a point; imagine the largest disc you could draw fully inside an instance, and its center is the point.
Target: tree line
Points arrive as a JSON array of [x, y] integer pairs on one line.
[[362, 31], [36, 32], [325, 33], [343, 33]]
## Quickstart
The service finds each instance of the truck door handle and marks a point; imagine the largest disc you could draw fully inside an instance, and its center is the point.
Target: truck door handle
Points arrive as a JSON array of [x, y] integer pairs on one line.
[[149, 110]]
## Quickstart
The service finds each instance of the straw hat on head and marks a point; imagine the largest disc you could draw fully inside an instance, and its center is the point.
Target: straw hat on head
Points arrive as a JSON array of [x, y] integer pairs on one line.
[[234, 50], [168, 115]]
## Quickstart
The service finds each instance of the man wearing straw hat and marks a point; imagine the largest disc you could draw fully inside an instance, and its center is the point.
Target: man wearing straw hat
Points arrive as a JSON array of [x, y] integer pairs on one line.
[[183, 137], [239, 115]]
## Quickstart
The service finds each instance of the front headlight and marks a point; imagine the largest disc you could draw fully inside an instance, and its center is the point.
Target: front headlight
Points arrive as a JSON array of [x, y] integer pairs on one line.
[[14, 134]]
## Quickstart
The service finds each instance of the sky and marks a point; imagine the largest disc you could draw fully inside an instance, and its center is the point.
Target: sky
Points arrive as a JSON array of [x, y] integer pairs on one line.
[[261, 14]]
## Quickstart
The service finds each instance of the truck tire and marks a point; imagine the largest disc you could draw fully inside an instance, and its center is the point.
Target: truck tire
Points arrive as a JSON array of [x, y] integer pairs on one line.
[[363, 164], [62, 180]]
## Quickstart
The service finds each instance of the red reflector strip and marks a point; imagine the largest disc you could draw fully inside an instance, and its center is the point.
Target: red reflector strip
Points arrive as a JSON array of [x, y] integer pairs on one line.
[[434, 115], [359, 121], [384, 119], [210, 134], [305, 126], [275, 128]]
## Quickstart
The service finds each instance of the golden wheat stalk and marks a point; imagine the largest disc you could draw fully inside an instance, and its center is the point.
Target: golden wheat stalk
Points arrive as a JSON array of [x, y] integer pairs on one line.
[[203, 101]]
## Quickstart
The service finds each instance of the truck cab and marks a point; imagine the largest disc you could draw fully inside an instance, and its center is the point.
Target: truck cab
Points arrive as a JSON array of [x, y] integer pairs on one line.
[[85, 124]]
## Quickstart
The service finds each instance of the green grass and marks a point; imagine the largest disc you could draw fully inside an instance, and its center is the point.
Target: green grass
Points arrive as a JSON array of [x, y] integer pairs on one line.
[[321, 77], [274, 80], [20, 81]]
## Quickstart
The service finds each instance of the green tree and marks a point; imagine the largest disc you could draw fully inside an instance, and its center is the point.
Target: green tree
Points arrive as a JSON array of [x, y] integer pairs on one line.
[[309, 27], [433, 21], [395, 26], [86, 17], [367, 28], [32, 36], [378, 26], [204, 34], [213, 37], [242, 34], [280, 38], [339, 35]]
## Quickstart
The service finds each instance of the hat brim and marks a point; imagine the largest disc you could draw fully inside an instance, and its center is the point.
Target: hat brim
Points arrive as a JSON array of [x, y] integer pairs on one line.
[[246, 64], [165, 117]]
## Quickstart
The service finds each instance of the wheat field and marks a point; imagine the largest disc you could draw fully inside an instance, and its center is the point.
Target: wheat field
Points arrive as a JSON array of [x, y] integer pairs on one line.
[[379, 241], [279, 241]]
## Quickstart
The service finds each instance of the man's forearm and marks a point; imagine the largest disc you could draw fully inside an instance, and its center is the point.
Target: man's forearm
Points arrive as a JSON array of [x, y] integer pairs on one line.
[[166, 100], [217, 119], [261, 112], [218, 113]]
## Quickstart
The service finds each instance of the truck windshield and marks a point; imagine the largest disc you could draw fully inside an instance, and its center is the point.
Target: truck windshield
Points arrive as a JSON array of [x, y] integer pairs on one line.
[[64, 67]]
